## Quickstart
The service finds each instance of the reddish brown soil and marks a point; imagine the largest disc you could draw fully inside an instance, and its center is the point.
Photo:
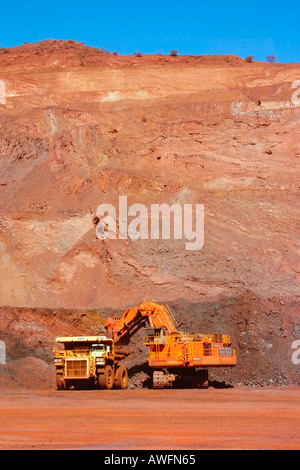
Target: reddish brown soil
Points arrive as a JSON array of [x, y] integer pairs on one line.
[[145, 419]]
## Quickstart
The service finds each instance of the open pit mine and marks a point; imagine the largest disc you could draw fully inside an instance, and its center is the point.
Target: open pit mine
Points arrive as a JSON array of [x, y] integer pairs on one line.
[[80, 128]]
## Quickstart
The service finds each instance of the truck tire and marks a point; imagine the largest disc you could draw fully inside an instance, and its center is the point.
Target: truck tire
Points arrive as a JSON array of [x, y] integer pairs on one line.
[[121, 379], [60, 382], [106, 378]]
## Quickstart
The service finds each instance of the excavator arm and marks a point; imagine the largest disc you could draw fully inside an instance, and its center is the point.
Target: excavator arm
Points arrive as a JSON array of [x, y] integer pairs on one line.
[[158, 316]]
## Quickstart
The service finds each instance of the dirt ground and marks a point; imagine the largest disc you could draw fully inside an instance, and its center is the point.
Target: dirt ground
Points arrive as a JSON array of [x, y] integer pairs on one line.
[[141, 419]]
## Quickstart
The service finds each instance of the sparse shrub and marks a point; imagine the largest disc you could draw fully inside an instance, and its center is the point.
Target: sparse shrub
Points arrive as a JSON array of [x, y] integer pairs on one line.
[[249, 58], [82, 63], [271, 58], [5, 51], [173, 52], [138, 54], [115, 53]]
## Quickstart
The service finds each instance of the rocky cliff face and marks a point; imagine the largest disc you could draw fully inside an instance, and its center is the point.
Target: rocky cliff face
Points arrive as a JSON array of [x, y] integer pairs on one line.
[[81, 127]]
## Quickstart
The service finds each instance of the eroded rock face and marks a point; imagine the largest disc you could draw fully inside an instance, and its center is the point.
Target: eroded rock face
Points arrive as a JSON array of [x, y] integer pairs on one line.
[[80, 127]]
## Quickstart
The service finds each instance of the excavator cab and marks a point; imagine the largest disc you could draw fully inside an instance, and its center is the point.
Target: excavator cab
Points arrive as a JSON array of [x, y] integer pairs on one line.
[[156, 335]]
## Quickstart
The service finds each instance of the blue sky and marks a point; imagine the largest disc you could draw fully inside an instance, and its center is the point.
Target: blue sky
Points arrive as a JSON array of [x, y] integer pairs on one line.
[[257, 28]]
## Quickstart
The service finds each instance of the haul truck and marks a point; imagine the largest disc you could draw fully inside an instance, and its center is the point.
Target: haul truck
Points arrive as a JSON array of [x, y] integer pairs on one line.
[[89, 361], [173, 356]]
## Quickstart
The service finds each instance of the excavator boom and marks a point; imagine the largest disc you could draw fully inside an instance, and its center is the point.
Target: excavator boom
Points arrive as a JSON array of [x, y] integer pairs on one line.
[[158, 316]]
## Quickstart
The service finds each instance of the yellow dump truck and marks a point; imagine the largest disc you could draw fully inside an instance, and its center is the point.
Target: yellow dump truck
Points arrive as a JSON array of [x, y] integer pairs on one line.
[[88, 362]]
